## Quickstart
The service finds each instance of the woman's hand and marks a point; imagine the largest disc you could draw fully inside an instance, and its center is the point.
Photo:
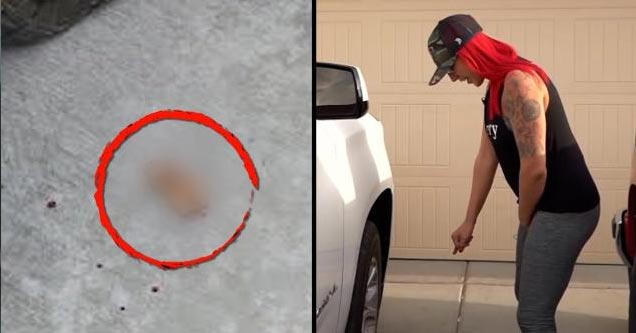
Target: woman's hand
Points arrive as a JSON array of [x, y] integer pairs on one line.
[[462, 236]]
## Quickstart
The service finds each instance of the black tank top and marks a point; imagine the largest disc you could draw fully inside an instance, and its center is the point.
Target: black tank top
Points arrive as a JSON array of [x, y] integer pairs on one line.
[[569, 185]]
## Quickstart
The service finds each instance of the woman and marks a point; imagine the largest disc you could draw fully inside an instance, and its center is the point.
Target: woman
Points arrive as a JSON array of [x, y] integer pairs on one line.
[[526, 132]]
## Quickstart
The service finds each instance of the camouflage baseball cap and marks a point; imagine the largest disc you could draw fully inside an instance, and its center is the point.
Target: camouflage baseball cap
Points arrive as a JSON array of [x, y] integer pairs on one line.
[[447, 39]]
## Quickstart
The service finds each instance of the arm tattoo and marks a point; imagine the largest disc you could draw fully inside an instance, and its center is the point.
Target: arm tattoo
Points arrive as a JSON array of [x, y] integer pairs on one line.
[[522, 113], [531, 110], [527, 130], [507, 122]]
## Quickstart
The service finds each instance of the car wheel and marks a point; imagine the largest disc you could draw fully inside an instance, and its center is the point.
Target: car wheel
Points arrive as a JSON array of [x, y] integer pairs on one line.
[[24, 21], [367, 291]]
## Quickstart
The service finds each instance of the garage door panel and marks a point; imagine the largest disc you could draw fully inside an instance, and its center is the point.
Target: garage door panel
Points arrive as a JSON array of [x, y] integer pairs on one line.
[[426, 219], [432, 134], [388, 53], [604, 133], [407, 126], [442, 132], [429, 171], [499, 221], [626, 133], [605, 60], [600, 44], [496, 229], [442, 218], [340, 42], [400, 232], [414, 220], [386, 115], [404, 52], [402, 134], [564, 85], [326, 41], [533, 38], [419, 154], [611, 202], [406, 65], [450, 6], [595, 40], [610, 53], [418, 52]]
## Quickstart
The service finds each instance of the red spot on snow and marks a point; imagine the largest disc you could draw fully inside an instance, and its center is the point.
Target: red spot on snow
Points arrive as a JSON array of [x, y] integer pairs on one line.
[[126, 133]]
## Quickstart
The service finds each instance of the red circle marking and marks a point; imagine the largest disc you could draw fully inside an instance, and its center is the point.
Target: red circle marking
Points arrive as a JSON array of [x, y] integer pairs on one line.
[[112, 147]]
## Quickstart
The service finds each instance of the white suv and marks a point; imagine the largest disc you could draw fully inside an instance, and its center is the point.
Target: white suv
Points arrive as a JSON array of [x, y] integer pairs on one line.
[[354, 203]]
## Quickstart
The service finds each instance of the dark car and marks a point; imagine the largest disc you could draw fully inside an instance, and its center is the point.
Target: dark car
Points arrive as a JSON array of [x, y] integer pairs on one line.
[[624, 232]]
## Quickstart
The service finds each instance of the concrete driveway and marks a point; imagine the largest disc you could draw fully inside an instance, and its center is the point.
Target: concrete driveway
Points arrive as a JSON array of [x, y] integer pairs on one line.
[[245, 64], [478, 297]]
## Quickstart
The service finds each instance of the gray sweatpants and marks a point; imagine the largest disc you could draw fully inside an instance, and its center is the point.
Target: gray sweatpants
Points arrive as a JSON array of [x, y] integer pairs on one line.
[[546, 253]]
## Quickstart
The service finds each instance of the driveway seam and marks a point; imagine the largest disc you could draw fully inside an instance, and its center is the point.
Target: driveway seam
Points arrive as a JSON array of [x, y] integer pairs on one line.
[[462, 294]]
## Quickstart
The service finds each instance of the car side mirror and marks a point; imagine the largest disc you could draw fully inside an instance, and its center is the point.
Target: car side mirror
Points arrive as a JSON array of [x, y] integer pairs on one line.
[[341, 92]]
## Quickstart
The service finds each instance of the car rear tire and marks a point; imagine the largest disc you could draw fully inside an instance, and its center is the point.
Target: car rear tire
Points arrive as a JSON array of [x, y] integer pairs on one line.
[[367, 291], [25, 21], [632, 299]]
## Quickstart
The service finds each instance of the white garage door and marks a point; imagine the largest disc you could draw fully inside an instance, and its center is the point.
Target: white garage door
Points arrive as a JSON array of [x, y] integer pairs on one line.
[[432, 133]]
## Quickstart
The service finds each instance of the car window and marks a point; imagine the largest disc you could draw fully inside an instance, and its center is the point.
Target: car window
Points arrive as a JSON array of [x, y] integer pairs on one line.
[[334, 87]]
